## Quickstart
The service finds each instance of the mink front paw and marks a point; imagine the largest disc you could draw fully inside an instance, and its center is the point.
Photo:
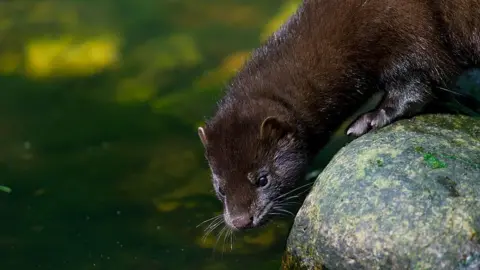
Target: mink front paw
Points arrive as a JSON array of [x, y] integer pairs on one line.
[[368, 121]]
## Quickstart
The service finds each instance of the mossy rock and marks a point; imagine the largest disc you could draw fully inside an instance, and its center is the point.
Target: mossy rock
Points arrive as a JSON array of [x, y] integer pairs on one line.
[[406, 196]]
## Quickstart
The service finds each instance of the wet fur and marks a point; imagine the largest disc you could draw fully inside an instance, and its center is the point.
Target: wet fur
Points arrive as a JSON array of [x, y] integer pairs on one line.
[[319, 68]]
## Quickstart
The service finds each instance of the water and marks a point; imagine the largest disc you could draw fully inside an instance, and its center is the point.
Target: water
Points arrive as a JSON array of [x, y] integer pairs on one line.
[[99, 107]]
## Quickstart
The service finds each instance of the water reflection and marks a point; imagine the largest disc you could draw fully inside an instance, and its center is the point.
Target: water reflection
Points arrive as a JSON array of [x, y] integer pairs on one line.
[[99, 107]]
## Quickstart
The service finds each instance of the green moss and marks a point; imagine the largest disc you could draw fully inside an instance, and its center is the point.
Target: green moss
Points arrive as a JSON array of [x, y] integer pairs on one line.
[[403, 210], [292, 262], [466, 162], [433, 161], [380, 163], [5, 189], [419, 149]]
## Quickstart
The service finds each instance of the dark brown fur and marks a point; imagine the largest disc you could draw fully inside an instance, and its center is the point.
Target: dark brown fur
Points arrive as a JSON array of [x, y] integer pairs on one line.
[[314, 72]]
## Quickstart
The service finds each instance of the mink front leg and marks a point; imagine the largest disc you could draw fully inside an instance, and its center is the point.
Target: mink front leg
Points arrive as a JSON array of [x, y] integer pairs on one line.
[[400, 100]]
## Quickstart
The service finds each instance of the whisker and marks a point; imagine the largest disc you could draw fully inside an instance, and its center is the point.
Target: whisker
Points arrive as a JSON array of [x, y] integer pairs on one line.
[[295, 189], [211, 228], [450, 91], [291, 197], [225, 239], [274, 212], [287, 203], [219, 235], [214, 221], [284, 211], [284, 199], [213, 225], [278, 214], [215, 217]]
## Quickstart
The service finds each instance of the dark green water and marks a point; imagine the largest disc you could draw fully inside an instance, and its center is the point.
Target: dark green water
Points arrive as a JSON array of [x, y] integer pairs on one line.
[[99, 105], [102, 155]]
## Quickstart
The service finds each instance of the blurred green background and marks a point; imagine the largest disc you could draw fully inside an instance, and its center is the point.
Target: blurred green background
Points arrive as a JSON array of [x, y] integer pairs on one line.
[[99, 106]]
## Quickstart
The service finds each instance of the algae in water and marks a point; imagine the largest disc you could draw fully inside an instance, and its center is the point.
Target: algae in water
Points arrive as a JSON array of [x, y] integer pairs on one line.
[[5, 189]]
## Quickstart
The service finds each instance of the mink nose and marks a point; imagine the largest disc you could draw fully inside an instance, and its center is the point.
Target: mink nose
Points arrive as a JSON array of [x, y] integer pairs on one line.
[[242, 221]]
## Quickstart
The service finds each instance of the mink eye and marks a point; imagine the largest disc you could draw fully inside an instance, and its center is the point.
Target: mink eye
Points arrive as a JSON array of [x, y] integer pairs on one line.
[[262, 181]]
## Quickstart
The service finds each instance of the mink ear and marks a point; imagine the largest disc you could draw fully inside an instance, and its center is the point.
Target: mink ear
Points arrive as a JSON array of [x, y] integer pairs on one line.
[[274, 128], [203, 137]]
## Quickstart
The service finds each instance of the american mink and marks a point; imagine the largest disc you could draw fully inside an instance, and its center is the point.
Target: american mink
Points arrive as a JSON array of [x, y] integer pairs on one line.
[[313, 73]]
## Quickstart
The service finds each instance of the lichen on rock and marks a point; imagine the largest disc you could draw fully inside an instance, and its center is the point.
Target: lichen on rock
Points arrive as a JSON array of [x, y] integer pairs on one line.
[[406, 196]]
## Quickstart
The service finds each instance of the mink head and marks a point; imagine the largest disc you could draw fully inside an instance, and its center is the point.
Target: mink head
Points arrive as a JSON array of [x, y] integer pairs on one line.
[[254, 162]]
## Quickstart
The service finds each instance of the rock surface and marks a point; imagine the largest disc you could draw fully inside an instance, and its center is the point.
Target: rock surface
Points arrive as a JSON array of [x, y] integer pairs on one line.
[[404, 197]]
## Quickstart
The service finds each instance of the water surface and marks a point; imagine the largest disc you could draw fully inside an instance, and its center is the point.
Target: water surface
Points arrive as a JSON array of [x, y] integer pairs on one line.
[[99, 107]]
